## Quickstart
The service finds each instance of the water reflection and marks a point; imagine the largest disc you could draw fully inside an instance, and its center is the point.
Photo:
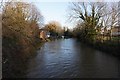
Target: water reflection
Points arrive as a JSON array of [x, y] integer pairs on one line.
[[67, 58]]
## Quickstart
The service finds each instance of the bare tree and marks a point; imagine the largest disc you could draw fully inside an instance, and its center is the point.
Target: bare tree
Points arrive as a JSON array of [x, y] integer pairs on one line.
[[84, 10], [90, 14]]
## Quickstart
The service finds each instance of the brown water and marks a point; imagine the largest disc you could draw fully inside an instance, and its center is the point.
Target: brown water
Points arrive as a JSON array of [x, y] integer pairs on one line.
[[66, 58]]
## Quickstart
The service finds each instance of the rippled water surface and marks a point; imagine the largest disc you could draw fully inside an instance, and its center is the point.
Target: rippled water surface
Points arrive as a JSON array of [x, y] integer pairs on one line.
[[65, 58]]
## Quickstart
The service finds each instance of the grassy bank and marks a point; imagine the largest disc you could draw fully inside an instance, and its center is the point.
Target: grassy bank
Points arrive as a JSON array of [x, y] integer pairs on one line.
[[109, 47]]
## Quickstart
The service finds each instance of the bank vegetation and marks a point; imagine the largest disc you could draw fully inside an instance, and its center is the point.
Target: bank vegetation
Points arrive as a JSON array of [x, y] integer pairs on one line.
[[95, 22], [20, 35]]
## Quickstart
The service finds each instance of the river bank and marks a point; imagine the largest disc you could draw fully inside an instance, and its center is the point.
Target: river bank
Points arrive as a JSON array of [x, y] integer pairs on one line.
[[15, 54], [108, 47]]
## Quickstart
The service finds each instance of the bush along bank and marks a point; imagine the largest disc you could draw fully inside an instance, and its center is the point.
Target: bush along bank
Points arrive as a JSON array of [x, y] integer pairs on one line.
[[16, 51], [20, 37]]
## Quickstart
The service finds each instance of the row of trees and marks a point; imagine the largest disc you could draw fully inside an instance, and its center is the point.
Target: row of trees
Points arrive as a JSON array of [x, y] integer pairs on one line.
[[56, 30], [91, 17]]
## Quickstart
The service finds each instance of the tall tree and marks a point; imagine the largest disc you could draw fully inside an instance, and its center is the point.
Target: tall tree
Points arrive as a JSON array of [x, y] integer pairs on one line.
[[88, 13]]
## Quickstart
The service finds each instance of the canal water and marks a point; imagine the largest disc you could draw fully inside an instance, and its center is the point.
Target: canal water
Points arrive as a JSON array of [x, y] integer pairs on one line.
[[66, 58]]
